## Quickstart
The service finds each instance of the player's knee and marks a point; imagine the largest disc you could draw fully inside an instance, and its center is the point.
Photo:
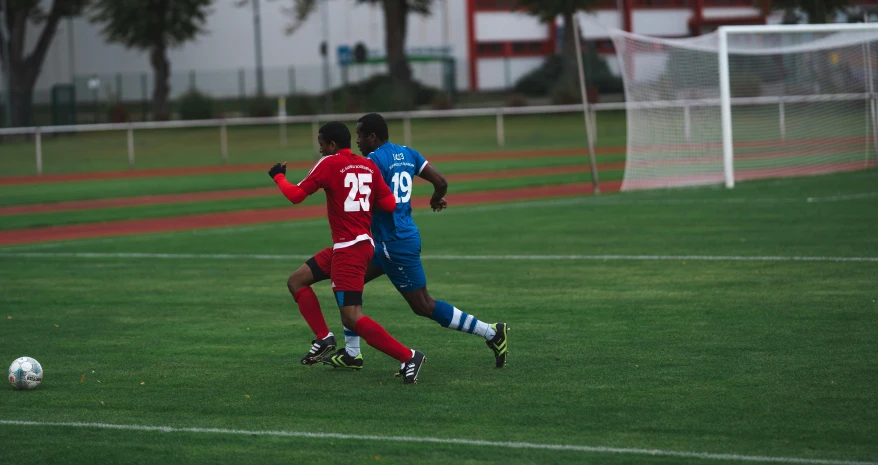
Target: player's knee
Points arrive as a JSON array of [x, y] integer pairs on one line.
[[423, 305], [348, 321], [296, 282], [350, 315], [292, 285]]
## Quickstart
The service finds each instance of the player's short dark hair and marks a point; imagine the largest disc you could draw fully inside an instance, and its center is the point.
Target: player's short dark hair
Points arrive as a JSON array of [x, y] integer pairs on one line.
[[335, 131], [374, 123]]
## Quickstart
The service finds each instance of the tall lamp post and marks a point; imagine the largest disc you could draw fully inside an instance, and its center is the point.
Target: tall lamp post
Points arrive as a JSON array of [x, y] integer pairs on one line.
[[257, 42], [7, 70]]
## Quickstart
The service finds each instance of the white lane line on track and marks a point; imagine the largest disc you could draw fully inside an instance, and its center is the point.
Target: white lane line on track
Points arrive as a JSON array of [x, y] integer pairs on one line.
[[192, 256], [434, 440]]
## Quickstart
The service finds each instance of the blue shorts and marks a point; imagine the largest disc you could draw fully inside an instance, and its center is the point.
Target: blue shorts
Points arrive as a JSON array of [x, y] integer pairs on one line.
[[401, 262]]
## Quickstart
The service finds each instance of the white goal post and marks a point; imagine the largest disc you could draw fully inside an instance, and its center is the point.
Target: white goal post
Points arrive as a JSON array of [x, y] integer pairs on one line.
[[749, 102]]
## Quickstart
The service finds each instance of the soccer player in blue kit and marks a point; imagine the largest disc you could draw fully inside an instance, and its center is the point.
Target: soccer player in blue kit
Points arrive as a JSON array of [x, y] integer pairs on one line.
[[398, 244]]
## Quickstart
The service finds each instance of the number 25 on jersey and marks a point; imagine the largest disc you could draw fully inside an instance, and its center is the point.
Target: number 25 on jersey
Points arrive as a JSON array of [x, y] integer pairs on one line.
[[359, 185]]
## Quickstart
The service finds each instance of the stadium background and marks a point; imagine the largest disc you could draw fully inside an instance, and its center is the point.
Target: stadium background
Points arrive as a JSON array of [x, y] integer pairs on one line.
[[668, 326]]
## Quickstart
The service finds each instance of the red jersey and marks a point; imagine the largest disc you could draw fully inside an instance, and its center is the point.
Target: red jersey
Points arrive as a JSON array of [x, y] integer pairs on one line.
[[353, 184]]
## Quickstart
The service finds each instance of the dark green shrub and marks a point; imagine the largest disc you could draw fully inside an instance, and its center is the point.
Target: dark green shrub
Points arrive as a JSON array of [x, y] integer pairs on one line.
[[543, 80], [261, 107], [195, 105]]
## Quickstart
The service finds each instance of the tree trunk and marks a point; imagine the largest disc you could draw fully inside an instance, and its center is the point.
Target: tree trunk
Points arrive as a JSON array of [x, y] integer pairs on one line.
[[395, 30], [161, 68], [22, 86], [24, 69], [568, 50], [819, 13]]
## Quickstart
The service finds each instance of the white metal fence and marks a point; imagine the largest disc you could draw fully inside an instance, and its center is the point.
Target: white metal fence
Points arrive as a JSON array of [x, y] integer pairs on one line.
[[283, 121], [406, 117]]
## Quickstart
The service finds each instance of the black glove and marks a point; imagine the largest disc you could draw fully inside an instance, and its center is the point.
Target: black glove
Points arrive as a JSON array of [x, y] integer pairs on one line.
[[277, 169]]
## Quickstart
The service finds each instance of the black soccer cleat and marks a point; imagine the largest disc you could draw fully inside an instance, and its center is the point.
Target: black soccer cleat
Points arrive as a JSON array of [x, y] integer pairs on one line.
[[341, 359], [499, 344], [412, 367], [319, 348]]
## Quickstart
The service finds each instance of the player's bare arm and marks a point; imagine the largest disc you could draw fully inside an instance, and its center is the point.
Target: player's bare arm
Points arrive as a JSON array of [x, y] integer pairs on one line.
[[440, 187]]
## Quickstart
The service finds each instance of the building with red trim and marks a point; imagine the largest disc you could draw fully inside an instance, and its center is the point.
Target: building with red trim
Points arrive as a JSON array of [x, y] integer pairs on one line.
[[505, 43]]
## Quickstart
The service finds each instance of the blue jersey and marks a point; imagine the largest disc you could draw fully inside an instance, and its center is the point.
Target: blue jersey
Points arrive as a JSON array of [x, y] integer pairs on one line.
[[398, 165]]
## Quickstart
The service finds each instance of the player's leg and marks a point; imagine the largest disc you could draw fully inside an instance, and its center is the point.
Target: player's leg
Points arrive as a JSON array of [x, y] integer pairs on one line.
[[451, 317], [316, 269], [349, 356], [348, 273], [407, 274]]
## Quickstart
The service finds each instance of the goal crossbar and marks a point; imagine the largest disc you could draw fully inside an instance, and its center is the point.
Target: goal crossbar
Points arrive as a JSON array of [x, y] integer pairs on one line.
[[792, 100], [723, 33]]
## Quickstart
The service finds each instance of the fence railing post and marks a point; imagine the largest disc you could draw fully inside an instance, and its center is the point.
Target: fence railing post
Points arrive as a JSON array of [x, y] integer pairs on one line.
[[315, 131], [144, 98], [242, 91], [782, 120], [39, 151], [407, 130], [130, 146], [224, 143], [687, 123], [594, 124], [501, 133]]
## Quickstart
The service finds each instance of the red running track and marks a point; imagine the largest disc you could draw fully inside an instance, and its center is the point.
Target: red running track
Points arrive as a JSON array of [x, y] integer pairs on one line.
[[241, 218], [271, 191], [304, 165]]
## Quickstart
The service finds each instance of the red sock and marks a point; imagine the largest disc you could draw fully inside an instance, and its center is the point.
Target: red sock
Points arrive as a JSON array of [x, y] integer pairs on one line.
[[309, 307], [377, 337]]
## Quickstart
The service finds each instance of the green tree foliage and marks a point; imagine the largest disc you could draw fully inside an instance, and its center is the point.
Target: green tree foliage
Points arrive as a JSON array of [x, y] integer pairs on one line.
[[153, 26], [548, 10], [396, 28], [25, 67], [819, 11], [548, 77]]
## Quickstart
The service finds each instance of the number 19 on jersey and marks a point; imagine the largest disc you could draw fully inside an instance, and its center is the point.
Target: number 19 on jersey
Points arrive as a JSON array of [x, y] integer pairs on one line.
[[402, 187]]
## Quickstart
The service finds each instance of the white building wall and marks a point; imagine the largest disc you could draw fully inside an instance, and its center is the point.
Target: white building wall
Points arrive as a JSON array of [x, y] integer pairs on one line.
[[666, 22], [595, 24], [502, 26], [502, 73], [228, 45]]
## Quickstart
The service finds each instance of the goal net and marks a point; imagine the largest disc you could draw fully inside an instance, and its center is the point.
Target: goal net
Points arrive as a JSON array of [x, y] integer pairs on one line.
[[798, 101]]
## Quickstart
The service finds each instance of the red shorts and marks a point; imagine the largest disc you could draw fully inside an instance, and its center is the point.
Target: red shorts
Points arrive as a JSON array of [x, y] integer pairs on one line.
[[346, 267]]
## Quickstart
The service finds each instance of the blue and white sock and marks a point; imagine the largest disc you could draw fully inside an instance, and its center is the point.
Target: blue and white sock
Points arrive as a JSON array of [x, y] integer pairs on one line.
[[451, 317], [351, 343]]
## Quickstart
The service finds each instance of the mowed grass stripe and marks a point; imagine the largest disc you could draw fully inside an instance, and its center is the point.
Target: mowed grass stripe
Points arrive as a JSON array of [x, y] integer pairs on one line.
[[269, 198], [22, 236], [299, 165], [272, 191], [648, 258], [455, 441], [196, 182]]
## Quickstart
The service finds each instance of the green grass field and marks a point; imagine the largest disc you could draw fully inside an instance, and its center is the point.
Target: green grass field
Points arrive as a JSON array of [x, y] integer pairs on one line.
[[698, 325], [752, 357]]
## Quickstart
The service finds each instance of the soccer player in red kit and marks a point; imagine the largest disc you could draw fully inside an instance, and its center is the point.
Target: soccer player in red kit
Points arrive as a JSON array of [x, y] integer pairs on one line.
[[353, 185]]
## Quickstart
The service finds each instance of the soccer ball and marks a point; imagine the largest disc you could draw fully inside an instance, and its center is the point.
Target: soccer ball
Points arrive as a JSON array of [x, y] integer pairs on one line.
[[25, 373]]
